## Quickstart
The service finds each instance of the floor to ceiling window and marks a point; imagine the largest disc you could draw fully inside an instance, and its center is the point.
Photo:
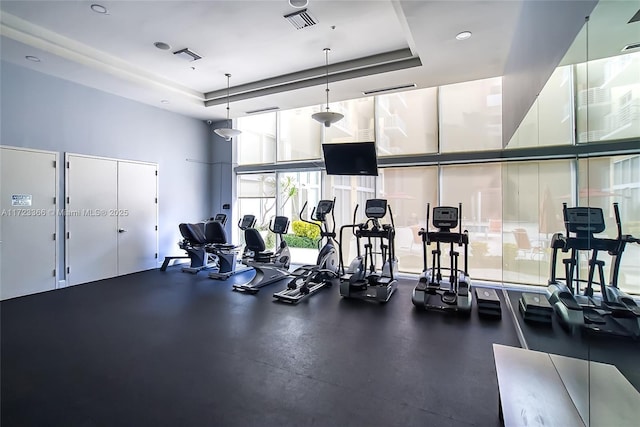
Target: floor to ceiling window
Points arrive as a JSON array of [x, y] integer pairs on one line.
[[509, 208]]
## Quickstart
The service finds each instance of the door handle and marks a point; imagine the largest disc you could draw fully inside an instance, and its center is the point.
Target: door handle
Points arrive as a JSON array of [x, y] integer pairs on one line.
[[121, 230]]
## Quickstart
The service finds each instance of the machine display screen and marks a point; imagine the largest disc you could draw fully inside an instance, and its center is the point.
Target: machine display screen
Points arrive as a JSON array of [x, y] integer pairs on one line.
[[445, 217], [585, 219], [324, 207], [247, 222], [376, 208]]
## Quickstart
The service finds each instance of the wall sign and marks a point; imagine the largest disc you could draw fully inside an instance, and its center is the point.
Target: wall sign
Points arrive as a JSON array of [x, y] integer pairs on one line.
[[21, 200]]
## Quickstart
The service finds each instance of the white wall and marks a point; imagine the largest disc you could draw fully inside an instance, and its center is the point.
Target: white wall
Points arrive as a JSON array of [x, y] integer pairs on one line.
[[43, 112]]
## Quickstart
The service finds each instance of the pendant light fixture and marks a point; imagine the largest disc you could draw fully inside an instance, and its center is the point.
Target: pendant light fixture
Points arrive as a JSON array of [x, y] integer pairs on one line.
[[327, 117], [228, 132]]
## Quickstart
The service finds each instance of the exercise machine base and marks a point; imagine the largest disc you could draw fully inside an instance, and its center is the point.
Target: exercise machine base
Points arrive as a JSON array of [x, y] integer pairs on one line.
[[265, 275], [294, 296], [439, 296], [535, 308], [488, 303], [380, 291]]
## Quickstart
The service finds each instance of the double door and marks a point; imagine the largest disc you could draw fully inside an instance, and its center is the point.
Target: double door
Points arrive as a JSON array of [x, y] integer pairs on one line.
[[111, 218]]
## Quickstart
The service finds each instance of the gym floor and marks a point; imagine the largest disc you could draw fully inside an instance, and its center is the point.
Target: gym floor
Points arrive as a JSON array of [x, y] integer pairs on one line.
[[170, 348]]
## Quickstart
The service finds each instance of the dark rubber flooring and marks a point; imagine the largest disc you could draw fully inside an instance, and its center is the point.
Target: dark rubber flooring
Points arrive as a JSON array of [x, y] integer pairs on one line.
[[175, 349], [624, 353]]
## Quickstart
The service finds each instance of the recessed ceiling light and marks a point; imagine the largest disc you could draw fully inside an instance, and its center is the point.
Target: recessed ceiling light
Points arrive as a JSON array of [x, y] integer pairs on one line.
[[298, 3], [464, 35], [162, 45], [32, 58], [98, 8], [164, 101]]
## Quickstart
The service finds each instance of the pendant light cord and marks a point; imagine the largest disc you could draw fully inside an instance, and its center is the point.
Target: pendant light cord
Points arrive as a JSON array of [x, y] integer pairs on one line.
[[326, 54], [228, 121]]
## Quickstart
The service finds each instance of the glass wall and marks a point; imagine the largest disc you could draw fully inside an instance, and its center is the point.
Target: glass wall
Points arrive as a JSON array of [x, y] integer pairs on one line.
[[478, 188], [357, 124], [608, 98], [256, 196], [407, 122], [296, 189], [532, 197], [350, 192], [408, 191], [257, 142], [550, 119], [471, 116], [602, 182], [510, 210], [300, 135]]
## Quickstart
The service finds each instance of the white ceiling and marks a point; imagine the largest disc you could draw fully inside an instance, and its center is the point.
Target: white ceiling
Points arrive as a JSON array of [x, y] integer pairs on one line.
[[115, 52]]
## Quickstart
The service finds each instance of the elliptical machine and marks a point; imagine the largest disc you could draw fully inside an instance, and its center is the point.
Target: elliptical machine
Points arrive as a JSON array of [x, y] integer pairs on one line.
[[362, 279], [611, 313], [309, 279], [612, 293], [270, 267], [432, 290]]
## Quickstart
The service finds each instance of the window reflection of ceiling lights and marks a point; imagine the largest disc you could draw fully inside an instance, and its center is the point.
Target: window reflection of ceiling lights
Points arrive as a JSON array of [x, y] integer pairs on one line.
[[464, 35], [98, 8]]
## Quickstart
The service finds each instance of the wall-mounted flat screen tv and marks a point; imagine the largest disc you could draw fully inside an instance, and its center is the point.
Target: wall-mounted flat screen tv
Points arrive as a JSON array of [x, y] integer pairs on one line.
[[351, 158]]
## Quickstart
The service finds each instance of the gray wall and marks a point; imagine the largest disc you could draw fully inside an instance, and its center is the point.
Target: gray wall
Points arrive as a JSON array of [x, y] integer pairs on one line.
[[543, 35], [43, 112]]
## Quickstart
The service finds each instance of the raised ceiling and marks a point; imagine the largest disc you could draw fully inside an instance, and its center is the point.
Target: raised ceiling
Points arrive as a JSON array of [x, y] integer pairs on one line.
[[374, 44]]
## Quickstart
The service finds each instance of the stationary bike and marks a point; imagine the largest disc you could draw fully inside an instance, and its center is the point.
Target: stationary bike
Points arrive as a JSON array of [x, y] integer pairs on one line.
[[362, 279], [270, 267], [309, 279], [434, 291], [226, 253]]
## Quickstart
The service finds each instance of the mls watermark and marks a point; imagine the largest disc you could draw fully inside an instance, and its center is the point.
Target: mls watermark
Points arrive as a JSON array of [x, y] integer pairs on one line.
[[26, 212]]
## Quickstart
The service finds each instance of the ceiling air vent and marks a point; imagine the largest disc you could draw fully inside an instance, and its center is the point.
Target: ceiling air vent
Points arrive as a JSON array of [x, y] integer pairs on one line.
[[388, 89], [301, 19], [631, 46], [187, 54], [262, 110]]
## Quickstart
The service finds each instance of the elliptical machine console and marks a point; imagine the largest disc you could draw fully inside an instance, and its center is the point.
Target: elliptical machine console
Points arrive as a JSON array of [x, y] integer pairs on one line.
[[309, 279], [432, 290], [362, 279]]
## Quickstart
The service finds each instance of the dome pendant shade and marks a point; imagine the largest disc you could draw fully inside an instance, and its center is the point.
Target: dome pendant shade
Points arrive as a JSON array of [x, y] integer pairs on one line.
[[327, 117], [229, 132]]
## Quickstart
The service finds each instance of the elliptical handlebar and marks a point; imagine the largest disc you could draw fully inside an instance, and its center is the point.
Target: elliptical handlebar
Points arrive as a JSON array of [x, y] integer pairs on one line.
[[616, 212]]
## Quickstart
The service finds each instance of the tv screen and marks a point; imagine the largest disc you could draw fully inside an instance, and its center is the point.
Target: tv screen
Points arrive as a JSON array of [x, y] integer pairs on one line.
[[351, 158]]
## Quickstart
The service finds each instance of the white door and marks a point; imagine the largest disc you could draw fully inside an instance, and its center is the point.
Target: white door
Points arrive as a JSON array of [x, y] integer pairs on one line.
[[28, 182], [91, 220], [137, 217]]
